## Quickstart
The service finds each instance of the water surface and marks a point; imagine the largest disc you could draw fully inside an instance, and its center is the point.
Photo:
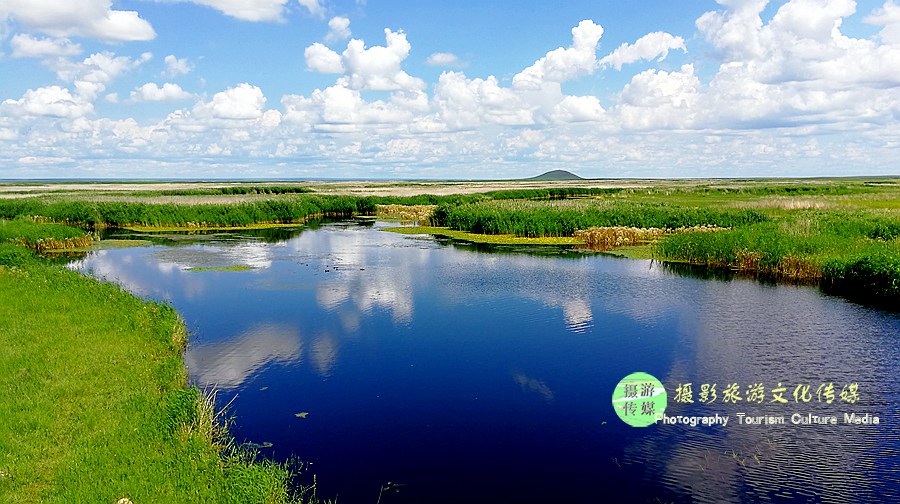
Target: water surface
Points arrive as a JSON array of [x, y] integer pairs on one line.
[[461, 375]]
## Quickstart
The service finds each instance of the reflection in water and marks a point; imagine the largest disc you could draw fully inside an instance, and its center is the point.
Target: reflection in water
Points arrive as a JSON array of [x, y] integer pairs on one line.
[[535, 386], [427, 334], [323, 354], [228, 364]]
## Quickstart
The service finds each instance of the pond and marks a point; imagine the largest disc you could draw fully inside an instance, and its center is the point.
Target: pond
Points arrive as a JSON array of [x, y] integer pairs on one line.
[[439, 372]]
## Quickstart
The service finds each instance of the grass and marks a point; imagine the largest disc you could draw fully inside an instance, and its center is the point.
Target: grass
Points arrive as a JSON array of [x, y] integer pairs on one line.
[[563, 218], [496, 239], [235, 267], [43, 236], [94, 405]]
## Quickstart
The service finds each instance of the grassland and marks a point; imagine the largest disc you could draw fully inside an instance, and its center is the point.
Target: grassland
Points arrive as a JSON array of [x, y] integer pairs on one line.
[[94, 405]]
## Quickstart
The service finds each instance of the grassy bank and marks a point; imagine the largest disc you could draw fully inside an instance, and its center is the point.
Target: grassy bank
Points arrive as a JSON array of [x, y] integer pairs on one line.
[[93, 399], [843, 236]]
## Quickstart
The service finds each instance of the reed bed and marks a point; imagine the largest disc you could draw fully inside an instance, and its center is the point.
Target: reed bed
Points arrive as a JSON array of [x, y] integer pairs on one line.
[[856, 254], [610, 237], [406, 213], [564, 217]]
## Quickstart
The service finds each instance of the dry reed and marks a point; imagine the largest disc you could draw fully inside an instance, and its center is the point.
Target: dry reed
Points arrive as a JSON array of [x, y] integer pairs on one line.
[[610, 237], [406, 213]]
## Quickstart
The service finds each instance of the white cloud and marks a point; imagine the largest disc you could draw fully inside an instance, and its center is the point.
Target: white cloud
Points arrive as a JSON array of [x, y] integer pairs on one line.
[[378, 67], [658, 99], [243, 101], [444, 59], [247, 10], [85, 18], [341, 105], [152, 92], [735, 32], [338, 29], [92, 75], [176, 66], [50, 101], [887, 16], [469, 103], [26, 46], [765, 91], [374, 68], [314, 7], [561, 65], [648, 47], [578, 109], [323, 60]]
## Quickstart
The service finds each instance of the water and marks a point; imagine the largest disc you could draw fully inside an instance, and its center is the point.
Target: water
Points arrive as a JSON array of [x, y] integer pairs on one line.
[[461, 375]]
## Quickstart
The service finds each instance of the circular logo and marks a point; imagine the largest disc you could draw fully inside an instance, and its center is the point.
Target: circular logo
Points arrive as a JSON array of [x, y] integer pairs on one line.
[[639, 399]]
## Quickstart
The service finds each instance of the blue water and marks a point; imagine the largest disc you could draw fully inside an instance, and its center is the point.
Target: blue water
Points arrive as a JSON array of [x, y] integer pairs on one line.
[[464, 375]]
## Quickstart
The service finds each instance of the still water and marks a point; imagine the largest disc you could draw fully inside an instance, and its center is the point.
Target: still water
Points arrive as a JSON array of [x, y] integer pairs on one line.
[[464, 375]]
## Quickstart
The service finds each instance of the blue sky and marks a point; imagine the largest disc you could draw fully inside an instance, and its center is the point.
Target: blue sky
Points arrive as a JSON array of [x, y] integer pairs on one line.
[[473, 90]]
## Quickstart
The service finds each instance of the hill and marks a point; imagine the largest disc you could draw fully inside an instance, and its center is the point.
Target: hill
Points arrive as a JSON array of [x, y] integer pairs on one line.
[[557, 175]]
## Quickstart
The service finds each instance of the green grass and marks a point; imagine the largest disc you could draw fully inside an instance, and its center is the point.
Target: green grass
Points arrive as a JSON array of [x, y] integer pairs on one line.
[[42, 236], [93, 404], [93, 399], [563, 218], [496, 239], [855, 254], [235, 267]]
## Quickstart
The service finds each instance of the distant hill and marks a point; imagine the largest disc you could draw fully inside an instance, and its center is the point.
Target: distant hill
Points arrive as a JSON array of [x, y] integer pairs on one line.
[[557, 175]]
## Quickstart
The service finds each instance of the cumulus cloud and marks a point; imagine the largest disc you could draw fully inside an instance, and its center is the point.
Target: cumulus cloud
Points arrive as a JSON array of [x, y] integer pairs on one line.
[[561, 65], [50, 101], [85, 18], [444, 59], [887, 16], [152, 92], [773, 79], [578, 109], [26, 46], [338, 29], [323, 60], [92, 75], [176, 66], [243, 101], [651, 46], [341, 105], [467, 103], [374, 68], [659, 99]]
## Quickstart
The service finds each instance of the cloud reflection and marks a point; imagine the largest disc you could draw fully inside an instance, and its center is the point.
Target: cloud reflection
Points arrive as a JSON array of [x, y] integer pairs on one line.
[[228, 364], [534, 386]]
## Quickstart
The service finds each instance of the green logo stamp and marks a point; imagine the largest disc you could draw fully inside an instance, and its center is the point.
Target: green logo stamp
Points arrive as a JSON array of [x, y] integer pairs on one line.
[[639, 399]]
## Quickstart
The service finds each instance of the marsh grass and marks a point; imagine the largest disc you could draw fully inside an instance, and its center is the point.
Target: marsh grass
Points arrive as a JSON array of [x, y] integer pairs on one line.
[[235, 267], [406, 213], [564, 217], [495, 239], [42, 236], [612, 237]]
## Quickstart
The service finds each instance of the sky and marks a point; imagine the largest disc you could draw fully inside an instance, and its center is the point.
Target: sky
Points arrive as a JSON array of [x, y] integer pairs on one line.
[[397, 89]]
